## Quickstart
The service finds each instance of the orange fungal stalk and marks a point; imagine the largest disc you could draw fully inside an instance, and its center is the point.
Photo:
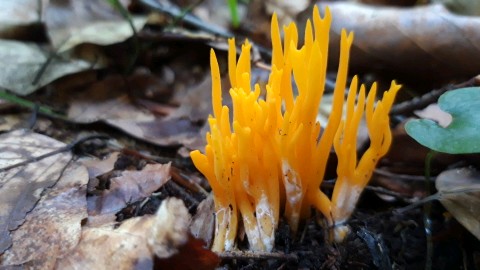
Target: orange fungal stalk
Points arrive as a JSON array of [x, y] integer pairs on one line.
[[276, 143]]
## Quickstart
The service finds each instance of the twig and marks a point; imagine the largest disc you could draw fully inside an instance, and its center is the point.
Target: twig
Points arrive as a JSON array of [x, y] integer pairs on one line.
[[404, 177], [423, 101], [176, 12], [68, 147], [33, 117], [183, 180], [427, 211], [44, 67], [331, 183], [185, 195], [247, 255], [437, 196]]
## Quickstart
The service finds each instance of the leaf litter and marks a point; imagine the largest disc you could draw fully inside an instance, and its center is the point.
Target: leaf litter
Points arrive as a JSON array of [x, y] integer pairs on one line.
[[130, 186], [22, 186]]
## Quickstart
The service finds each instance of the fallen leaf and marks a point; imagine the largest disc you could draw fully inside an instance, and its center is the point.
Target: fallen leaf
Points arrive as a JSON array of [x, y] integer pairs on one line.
[[217, 12], [459, 191], [104, 101], [164, 132], [286, 10], [196, 103], [130, 187], [53, 228], [97, 167], [465, 7], [137, 240], [203, 223], [21, 187], [20, 12], [71, 23], [22, 63], [123, 248], [424, 42], [20, 20], [170, 228], [103, 33], [172, 243]]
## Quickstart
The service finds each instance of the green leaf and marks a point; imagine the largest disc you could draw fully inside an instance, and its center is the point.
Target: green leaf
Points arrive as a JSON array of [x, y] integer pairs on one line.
[[462, 136]]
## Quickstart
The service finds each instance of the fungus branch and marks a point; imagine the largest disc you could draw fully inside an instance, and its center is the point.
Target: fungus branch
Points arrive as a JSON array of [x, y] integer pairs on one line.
[[275, 146]]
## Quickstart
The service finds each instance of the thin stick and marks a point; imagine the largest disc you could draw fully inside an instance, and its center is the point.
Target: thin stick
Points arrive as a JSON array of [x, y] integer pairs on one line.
[[246, 255], [68, 147], [417, 103]]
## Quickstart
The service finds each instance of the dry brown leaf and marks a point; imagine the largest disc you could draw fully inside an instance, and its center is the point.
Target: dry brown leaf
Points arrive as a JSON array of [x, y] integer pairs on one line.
[[123, 248], [459, 191], [286, 10], [203, 223], [170, 228], [196, 103], [22, 64], [52, 229], [104, 101], [20, 12], [172, 243], [97, 167], [131, 186], [414, 43], [71, 23], [21, 187], [164, 132], [133, 244]]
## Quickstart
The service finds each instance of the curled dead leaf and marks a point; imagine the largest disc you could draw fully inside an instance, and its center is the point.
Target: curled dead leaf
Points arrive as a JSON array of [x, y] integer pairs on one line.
[[170, 228], [203, 222], [172, 242], [459, 191], [420, 42]]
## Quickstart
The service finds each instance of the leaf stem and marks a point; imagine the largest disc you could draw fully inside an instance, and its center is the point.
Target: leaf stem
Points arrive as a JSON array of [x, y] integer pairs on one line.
[[232, 4], [427, 209], [31, 105]]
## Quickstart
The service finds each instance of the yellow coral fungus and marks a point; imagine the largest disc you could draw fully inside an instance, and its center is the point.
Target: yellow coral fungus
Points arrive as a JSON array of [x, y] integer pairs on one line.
[[275, 145]]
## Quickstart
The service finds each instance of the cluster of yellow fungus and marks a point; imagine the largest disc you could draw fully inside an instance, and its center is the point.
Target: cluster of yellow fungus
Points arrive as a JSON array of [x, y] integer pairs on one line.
[[273, 154]]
